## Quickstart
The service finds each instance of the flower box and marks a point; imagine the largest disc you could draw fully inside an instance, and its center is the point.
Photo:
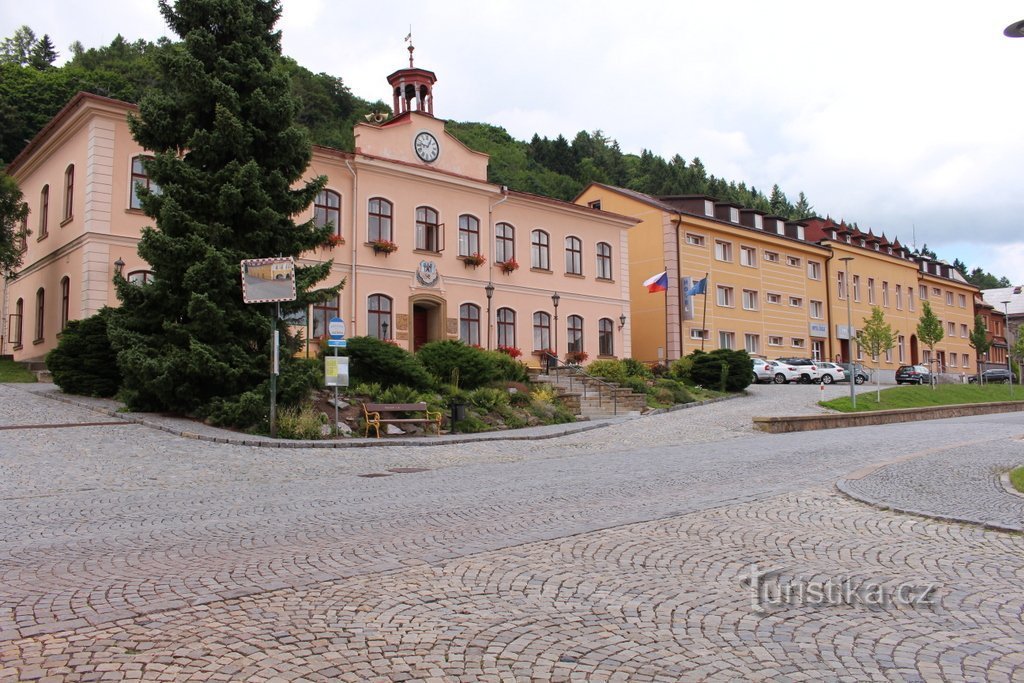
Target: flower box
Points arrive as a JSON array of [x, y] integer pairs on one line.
[[508, 266], [475, 259], [383, 247]]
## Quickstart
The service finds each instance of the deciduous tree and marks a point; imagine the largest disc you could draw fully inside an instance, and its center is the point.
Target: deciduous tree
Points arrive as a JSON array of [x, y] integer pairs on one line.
[[929, 330], [876, 337]]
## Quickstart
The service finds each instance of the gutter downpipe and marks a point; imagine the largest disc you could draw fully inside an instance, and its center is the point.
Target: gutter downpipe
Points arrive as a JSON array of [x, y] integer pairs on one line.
[[494, 249], [355, 231], [828, 298]]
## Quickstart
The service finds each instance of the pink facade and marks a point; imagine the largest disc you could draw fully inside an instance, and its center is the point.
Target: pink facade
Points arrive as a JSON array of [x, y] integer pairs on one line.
[[408, 183]]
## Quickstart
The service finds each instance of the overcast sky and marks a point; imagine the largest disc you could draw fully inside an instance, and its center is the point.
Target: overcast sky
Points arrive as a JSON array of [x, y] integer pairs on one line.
[[906, 117]]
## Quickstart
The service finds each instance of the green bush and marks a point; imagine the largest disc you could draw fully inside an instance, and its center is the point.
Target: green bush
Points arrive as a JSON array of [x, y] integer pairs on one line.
[[441, 358], [84, 362], [506, 368], [301, 422], [373, 360], [519, 399], [680, 369], [676, 388], [612, 370], [721, 369], [636, 368], [399, 393], [637, 384], [488, 399]]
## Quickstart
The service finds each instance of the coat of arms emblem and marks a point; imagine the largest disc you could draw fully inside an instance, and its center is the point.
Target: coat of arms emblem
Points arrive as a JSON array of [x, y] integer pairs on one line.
[[426, 274]]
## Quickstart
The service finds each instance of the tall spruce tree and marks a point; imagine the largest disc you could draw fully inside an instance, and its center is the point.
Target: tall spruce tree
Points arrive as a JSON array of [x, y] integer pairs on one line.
[[226, 157]]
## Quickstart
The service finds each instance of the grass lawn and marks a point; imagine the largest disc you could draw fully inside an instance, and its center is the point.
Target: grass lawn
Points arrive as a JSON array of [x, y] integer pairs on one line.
[[14, 372], [1017, 479], [922, 396]]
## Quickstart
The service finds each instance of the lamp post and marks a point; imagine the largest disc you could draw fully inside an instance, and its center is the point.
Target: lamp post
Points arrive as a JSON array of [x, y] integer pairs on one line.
[[384, 326], [554, 302], [489, 290], [622, 321], [1009, 346], [849, 329], [118, 266]]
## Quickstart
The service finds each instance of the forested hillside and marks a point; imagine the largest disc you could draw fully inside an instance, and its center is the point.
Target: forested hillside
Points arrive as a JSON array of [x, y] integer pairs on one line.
[[32, 90]]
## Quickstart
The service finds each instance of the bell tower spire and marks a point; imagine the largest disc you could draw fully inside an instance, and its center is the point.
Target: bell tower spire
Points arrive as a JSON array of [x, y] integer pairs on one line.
[[412, 88]]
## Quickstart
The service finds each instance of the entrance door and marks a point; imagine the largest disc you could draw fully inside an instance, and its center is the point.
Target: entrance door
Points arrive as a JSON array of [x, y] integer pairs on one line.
[[420, 327]]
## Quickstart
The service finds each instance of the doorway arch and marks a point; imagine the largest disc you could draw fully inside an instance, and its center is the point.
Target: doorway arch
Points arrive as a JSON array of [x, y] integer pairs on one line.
[[429, 316]]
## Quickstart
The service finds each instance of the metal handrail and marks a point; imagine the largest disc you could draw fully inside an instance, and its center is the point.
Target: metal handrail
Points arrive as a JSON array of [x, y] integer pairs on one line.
[[552, 360]]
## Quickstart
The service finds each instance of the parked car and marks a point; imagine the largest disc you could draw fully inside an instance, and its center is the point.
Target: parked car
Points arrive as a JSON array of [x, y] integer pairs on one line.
[[995, 376], [763, 371], [803, 370], [862, 373], [831, 372], [913, 374]]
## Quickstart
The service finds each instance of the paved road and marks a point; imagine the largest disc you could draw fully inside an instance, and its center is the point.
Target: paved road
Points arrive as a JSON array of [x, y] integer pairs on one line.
[[616, 554]]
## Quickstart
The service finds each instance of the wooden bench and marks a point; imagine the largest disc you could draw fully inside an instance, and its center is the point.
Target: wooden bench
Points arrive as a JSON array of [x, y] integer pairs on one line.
[[377, 414]]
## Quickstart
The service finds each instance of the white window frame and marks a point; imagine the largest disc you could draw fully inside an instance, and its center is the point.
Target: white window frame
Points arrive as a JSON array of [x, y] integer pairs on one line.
[[798, 343], [796, 301], [817, 309], [752, 342], [794, 261], [773, 297], [750, 297], [726, 340], [814, 270], [771, 256], [748, 256], [724, 297], [699, 334], [694, 240], [723, 251], [774, 340]]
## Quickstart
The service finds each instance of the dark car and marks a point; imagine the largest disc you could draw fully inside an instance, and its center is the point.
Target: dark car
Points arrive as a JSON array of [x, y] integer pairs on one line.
[[913, 374], [862, 375], [995, 376]]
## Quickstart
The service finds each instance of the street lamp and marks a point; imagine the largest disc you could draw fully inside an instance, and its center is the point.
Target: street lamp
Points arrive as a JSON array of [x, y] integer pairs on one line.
[[622, 321], [384, 326], [118, 266], [1006, 323], [554, 302], [489, 290], [849, 329]]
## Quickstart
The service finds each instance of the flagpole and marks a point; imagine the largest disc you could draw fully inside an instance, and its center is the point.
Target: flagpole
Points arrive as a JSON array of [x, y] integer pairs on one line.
[[704, 321]]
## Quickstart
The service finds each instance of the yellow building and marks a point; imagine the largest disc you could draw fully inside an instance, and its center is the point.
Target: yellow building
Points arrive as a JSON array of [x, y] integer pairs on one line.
[[777, 288]]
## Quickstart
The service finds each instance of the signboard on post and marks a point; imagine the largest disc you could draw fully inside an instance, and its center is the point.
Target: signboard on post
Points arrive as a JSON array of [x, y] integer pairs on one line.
[[268, 280], [336, 371]]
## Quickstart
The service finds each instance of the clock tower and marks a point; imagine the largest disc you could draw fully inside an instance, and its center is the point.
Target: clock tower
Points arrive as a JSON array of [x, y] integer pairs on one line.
[[412, 89]]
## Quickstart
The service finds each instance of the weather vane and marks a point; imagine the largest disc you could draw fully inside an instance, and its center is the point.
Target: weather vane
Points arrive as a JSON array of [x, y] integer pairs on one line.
[[408, 39]]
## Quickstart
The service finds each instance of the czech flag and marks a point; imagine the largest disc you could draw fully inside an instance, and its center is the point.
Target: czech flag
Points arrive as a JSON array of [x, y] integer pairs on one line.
[[658, 283]]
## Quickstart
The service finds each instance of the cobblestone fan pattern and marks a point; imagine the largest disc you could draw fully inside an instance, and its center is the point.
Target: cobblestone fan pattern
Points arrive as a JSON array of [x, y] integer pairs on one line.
[[107, 532], [656, 601], [922, 486]]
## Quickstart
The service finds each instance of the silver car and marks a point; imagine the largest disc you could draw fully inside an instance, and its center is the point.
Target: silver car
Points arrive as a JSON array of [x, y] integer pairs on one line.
[[763, 371]]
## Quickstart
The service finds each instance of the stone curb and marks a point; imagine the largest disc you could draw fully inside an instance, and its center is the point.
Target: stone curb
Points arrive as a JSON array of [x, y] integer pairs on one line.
[[844, 486], [804, 423], [1004, 479], [357, 442]]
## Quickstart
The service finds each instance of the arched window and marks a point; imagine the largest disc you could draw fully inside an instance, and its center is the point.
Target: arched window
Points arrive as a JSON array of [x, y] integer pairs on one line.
[[379, 220], [540, 250], [541, 331], [40, 312], [574, 330], [378, 317], [15, 322], [140, 179], [469, 235], [428, 230], [140, 277], [44, 211], [469, 324], [69, 192], [604, 261], [506, 327], [323, 311], [65, 301], [327, 210], [504, 243], [573, 256], [606, 337]]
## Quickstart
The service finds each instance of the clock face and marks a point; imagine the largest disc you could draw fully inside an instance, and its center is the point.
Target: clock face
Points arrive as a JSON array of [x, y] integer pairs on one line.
[[426, 147]]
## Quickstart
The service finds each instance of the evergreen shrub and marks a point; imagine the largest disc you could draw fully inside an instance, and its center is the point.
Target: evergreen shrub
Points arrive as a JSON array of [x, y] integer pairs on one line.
[[474, 365], [373, 360], [723, 369], [83, 362]]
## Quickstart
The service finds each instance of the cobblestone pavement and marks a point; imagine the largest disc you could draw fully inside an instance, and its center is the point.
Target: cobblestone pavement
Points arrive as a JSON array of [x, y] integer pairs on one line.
[[956, 484], [615, 554]]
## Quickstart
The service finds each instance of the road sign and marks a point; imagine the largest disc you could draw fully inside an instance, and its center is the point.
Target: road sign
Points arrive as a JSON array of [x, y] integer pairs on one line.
[[337, 343], [336, 328]]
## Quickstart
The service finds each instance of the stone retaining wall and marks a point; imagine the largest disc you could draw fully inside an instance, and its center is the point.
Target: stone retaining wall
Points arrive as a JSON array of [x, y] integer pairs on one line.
[[806, 423]]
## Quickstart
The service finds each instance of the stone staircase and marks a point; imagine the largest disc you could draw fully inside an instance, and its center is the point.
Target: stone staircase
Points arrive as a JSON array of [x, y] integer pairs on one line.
[[590, 397], [38, 368]]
